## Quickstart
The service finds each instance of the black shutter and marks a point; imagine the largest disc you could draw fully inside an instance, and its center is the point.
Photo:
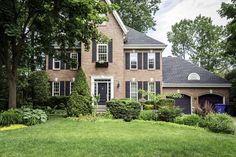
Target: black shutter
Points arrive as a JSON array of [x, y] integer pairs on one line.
[[67, 88], [94, 50], [127, 89], [145, 87], [145, 61], [127, 61], [79, 58], [50, 60], [68, 59], [157, 60], [140, 64], [158, 87], [110, 50], [50, 88], [62, 90], [140, 86]]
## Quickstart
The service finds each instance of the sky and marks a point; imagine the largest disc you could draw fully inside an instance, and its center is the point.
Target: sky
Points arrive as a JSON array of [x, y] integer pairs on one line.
[[172, 11]]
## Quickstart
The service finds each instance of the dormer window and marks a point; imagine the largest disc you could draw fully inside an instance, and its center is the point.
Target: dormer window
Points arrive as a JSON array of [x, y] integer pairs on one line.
[[56, 64], [102, 53], [193, 76], [133, 61]]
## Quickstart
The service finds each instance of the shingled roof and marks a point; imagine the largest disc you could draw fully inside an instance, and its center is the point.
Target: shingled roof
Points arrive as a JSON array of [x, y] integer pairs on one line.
[[177, 70], [137, 38]]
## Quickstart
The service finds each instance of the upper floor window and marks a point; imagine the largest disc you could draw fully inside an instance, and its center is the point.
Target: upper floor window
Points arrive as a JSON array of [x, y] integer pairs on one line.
[[151, 61], [56, 89], [193, 76], [134, 90], [74, 58], [133, 60], [151, 90], [102, 52], [56, 64]]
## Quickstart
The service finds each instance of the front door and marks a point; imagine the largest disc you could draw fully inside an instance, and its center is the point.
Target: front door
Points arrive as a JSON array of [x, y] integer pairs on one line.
[[102, 92]]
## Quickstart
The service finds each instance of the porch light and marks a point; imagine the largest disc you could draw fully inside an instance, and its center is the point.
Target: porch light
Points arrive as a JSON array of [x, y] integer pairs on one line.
[[151, 79], [56, 79], [133, 79], [73, 79], [211, 91], [178, 91]]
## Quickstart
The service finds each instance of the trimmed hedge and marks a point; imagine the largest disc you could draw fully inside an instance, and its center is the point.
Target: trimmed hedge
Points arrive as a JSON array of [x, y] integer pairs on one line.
[[162, 102], [148, 115], [148, 107], [168, 114], [124, 109], [191, 120]]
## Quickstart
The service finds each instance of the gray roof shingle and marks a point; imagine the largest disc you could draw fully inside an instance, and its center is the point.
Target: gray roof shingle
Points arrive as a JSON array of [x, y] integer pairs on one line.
[[176, 70], [136, 37]]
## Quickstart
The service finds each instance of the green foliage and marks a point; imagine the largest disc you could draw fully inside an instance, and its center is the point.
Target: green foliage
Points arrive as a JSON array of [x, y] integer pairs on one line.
[[220, 123], [32, 116], [3, 104], [57, 102], [38, 82], [79, 105], [202, 41], [148, 107], [228, 10], [161, 103], [192, 120], [148, 115], [124, 108], [231, 76], [168, 114], [80, 101], [138, 14], [10, 117]]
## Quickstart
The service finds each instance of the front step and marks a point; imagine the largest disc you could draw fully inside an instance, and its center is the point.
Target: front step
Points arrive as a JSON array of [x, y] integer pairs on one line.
[[101, 108]]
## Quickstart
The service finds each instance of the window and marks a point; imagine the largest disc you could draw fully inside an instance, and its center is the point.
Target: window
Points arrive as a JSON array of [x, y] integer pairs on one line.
[[102, 53], [151, 61], [193, 76], [151, 90], [133, 60], [74, 58], [134, 90], [56, 64], [56, 89]]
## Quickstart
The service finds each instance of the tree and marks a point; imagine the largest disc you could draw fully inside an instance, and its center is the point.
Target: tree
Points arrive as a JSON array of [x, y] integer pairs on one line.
[[32, 27], [231, 76], [202, 41], [138, 14], [229, 10]]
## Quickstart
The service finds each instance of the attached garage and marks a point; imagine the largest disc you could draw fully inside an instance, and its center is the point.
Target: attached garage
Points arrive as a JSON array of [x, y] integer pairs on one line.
[[211, 98], [184, 103]]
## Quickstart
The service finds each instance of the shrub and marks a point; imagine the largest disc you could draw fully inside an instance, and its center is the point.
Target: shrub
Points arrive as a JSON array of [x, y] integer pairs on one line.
[[161, 103], [32, 116], [124, 108], [80, 85], [10, 117], [56, 102], [38, 82], [3, 104], [192, 120], [148, 115], [168, 114], [79, 105], [148, 107], [220, 123]]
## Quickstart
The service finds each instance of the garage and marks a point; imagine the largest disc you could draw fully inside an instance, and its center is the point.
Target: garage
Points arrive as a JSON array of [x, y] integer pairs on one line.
[[184, 103], [211, 98]]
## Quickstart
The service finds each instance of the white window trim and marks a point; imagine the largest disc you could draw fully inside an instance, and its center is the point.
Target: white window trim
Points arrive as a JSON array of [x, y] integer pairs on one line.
[[149, 89], [97, 59], [131, 88], [53, 65], [76, 60], [53, 88], [70, 87], [136, 61], [154, 66]]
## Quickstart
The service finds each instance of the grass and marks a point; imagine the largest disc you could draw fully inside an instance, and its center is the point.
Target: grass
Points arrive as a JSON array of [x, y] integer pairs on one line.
[[12, 127], [61, 137]]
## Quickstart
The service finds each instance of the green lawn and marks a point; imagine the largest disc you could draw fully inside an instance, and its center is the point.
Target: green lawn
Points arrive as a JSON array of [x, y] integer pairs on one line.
[[67, 138]]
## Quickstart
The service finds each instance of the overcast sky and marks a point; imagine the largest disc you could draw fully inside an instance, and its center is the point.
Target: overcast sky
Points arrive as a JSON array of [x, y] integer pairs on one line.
[[172, 11]]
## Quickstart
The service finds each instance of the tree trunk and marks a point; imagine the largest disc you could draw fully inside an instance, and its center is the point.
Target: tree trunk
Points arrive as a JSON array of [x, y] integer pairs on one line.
[[12, 91]]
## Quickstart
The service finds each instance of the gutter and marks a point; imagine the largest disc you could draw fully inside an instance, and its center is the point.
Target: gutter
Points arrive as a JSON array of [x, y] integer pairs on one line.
[[226, 85]]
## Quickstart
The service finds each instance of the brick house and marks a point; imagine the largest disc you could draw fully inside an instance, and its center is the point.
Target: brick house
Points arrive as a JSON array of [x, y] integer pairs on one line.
[[133, 61]]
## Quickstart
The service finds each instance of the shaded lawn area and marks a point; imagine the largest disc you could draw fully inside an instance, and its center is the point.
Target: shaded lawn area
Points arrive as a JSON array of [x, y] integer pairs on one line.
[[65, 137]]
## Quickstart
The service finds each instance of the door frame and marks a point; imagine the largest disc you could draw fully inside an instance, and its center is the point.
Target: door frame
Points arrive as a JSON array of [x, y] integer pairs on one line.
[[102, 77]]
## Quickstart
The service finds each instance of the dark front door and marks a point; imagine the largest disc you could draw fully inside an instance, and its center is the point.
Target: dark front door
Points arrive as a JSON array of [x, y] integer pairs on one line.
[[102, 92], [184, 103]]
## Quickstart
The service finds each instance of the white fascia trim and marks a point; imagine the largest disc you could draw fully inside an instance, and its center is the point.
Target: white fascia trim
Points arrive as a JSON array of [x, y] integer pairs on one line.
[[197, 85], [118, 19], [144, 46]]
